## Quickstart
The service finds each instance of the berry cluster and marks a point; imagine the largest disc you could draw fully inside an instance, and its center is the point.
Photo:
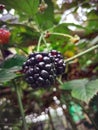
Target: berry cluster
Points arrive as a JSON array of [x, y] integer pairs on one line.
[[41, 68], [4, 36]]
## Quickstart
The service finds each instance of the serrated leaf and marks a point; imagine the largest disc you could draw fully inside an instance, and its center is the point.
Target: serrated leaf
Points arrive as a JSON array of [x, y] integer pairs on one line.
[[86, 92], [15, 61], [70, 85], [6, 75], [83, 89]]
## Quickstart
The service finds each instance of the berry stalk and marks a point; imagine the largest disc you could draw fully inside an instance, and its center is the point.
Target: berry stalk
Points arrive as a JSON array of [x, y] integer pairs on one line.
[[60, 81], [44, 40], [39, 43]]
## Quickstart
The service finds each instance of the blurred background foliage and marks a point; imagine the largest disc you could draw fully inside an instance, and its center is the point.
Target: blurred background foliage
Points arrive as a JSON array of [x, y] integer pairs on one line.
[[27, 20]]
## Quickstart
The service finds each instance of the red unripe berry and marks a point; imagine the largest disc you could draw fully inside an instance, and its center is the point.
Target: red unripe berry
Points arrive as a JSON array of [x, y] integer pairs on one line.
[[4, 36]]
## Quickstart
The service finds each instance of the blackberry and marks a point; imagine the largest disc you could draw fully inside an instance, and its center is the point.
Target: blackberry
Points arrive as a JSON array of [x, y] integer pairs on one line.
[[39, 70], [58, 61]]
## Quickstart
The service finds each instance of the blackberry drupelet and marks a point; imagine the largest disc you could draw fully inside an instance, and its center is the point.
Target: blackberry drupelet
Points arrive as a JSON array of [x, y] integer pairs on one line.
[[58, 61], [39, 70]]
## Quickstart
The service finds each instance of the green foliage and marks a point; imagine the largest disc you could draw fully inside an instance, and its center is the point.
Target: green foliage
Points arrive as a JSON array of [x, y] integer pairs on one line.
[[45, 19], [92, 22], [31, 28], [16, 60], [82, 89], [6, 75], [26, 8], [9, 68]]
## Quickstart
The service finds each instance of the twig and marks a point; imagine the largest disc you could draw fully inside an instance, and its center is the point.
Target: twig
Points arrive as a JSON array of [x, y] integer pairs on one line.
[[81, 54]]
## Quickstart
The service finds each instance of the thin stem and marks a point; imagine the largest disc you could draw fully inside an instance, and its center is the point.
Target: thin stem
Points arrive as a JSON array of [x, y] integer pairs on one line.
[[62, 34], [45, 42], [20, 105], [59, 80], [82, 53], [39, 42]]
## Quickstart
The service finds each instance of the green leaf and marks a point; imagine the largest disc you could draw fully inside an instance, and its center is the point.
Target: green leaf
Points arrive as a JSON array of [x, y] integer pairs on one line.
[[45, 19], [35, 4], [86, 92], [13, 62], [63, 28], [24, 7], [92, 25], [74, 84], [6, 75], [10, 66], [83, 89]]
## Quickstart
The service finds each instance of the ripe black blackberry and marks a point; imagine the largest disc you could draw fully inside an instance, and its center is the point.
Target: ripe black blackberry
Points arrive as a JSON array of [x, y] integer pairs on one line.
[[58, 61], [39, 70]]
